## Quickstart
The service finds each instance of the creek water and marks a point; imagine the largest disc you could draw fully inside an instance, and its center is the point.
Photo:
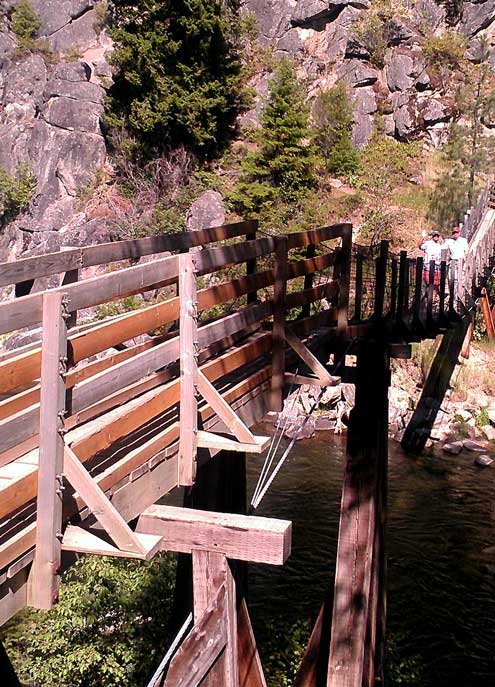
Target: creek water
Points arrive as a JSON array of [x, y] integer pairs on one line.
[[441, 556]]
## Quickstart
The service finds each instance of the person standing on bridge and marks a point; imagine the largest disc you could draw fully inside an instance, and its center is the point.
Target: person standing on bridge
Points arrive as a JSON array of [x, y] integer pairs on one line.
[[458, 248], [432, 249]]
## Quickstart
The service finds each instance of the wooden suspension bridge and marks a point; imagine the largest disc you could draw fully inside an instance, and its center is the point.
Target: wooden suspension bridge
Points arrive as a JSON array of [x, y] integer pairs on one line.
[[99, 421]]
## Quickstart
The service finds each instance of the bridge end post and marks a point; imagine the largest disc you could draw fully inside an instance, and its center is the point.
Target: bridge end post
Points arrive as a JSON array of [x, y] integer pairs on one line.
[[278, 333]]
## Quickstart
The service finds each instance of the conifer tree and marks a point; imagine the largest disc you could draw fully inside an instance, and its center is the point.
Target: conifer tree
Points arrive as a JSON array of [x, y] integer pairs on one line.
[[180, 71], [283, 165], [332, 115]]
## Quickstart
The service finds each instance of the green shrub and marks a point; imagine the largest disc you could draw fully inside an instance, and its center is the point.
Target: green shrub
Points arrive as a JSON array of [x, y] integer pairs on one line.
[[332, 117], [16, 192], [445, 50], [109, 628], [25, 23], [482, 419], [372, 32]]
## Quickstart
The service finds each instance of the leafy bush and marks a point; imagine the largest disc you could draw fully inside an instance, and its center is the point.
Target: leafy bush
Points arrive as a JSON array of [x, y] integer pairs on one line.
[[109, 628], [332, 116], [371, 31], [283, 165], [25, 23], [180, 73], [16, 192], [447, 49]]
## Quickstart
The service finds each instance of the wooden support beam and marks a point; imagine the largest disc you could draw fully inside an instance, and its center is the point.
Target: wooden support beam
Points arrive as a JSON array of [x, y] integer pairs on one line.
[[221, 443], [224, 411], [366, 456], [308, 279], [278, 331], [189, 350], [211, 571], [250, 668], [103, 510], [487, 315], [325, 378], [201, 647], [44, 578], [241, 537], [380, 280]]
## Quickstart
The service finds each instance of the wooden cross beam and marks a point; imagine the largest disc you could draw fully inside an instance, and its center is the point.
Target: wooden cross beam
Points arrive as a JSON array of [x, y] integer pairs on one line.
[[322, 376], [210, 654]]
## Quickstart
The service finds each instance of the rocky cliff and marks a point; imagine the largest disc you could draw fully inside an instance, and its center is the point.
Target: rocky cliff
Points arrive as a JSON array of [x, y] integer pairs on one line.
[[52, 96]]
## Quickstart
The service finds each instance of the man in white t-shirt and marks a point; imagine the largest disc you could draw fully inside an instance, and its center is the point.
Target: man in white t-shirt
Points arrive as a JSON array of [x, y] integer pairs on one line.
[[457, 245], [432, 249], [458, 248]]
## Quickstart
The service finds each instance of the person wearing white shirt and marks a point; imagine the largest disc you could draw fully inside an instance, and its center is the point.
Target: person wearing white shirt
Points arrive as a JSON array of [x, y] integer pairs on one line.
[[457, 245], [433, 251], [458, 248]]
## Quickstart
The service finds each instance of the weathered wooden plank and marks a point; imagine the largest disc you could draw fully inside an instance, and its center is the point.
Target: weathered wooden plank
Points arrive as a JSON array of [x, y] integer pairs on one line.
[[304, 238], [103, 253], [380, 280], [213, 259], [201, 647], [242, 537], [44, 578], [27, 310], [188, 443], [221, 443], [308, 296], [250, 668]]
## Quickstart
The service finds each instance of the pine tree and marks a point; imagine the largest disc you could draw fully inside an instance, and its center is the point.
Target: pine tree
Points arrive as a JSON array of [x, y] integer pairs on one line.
[[283, 165], [180, 71], [332, 114]]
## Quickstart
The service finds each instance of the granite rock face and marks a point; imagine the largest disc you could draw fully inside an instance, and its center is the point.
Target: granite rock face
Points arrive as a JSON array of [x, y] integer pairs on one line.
[[50, 111]]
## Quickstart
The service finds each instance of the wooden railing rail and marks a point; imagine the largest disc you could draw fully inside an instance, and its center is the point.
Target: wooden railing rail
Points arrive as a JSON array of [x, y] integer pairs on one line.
[[106, 253]]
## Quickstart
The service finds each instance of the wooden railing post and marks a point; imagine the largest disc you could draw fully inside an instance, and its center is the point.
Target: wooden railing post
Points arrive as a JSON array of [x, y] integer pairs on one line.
[[344, 282], [71, 277], [381, 280], [418, 289], [393, 287], [278, 332], [188, 441], [252, 296], [308, 279], [358, 293], [403, 285], [44, 578]]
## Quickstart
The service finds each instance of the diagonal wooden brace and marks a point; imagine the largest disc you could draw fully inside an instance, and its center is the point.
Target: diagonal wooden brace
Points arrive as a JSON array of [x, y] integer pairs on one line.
[[323, 377], [223, 410], [105, 512]]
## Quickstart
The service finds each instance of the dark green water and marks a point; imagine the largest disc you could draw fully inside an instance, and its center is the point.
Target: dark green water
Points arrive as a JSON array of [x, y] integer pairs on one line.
[[441, 555]]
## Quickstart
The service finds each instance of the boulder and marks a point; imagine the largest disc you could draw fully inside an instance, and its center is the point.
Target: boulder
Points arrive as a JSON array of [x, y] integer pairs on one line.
[[483, 461], [24, 83], [476, 16], [489, 432], [207, 211], [306, 10], [356, 74], [403, 67], [364, 106], [356, 49], [407, 124], [290, 42], [398, 32], [471, 445], [67, 24], [73, 115], [77, 90], [273, 17], [453, 447]]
